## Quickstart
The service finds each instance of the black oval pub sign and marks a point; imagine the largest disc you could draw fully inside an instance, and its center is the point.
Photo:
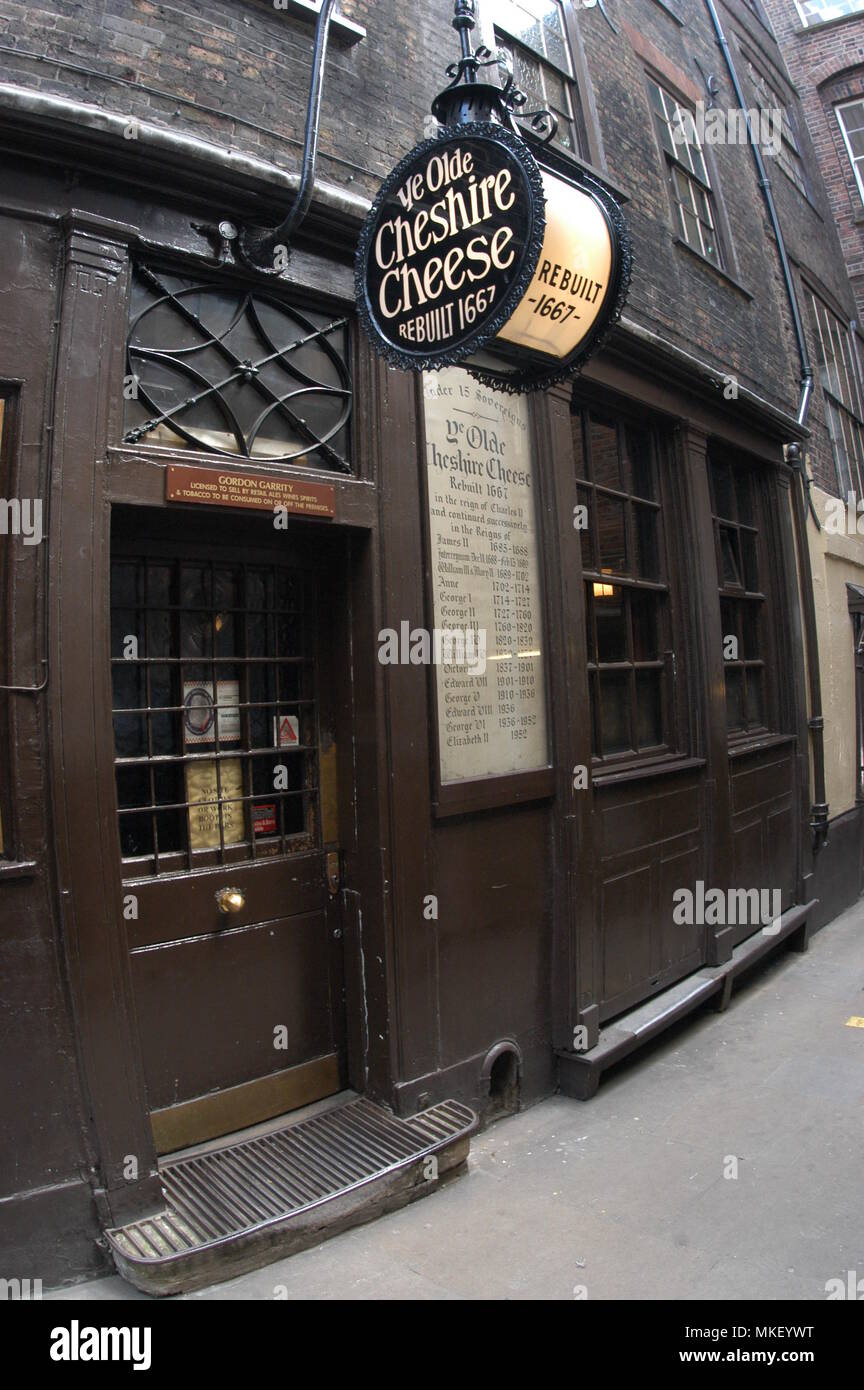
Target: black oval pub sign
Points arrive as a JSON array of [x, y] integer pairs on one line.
[[449, 246]]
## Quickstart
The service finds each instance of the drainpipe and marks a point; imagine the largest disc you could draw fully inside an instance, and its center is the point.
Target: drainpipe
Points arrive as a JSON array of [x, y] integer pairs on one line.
[[793, 454], [257, 245]]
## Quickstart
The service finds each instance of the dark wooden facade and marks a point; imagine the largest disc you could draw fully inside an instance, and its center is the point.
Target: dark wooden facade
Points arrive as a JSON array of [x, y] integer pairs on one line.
[[552, 913]]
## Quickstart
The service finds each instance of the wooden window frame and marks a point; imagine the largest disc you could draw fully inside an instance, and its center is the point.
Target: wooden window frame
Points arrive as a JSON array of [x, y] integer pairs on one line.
[[670, 635], [687, 169], [789, 159], [573, 75], [766, 594], [156, 864], [843, 396]]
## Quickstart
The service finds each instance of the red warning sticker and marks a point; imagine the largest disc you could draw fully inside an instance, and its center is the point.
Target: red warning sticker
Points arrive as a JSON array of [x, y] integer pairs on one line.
[[286, 730]]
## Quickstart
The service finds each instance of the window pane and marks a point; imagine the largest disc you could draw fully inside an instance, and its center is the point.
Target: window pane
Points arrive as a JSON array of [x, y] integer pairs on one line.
[[645, 532], [556, 49], [750, 624], [731, 565], [564, 133], [649, 724], [723, 494], [744, 497], [586, 533], [754, 695], [589, 624], [748, 554], [611, 534], [124, 585], [556, 95], [691, 230], [605, 469], [614, 711], [643, 609], [734, 699], [611, 616], [527, 74], [729, 623], [638, 462]]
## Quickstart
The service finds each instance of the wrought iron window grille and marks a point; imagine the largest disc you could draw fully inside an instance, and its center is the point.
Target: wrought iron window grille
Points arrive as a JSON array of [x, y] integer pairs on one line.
[[313, 413]]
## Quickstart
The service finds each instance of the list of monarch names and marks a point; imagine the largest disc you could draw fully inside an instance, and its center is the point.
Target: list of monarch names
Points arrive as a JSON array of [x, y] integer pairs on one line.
[[485, 578]]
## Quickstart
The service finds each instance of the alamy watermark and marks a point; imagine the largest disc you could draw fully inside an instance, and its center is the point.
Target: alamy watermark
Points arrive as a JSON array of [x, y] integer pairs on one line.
[[728, 907], [457, 647], [844, 518], [762, 126], [21, 516]]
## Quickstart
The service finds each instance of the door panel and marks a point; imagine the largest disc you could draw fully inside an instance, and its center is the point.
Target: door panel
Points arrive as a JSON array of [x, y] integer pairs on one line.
[[652, 845], [241, 997], [217, 731], [269, 892], [765, 851]]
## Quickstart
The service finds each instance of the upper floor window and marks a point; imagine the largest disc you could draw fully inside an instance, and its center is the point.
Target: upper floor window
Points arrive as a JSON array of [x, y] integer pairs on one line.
[[533, 35], [627, 599], [819, 11], [850, 117], [844, 413], [689, 183], [745, 594], [785, 147], [231, 371]]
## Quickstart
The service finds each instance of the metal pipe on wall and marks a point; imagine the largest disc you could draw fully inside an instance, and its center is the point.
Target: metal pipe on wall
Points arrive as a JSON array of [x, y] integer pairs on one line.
[[793, 454], [257, 244]]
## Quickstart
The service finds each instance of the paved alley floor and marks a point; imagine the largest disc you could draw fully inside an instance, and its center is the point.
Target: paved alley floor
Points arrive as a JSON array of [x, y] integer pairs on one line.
[[632, 1195]]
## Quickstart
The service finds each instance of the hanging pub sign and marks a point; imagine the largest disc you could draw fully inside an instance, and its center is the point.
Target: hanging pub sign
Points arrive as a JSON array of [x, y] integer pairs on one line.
[[474, 255]]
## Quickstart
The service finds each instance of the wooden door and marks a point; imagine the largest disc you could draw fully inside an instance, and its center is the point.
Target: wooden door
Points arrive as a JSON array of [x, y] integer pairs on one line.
[[223, 682]]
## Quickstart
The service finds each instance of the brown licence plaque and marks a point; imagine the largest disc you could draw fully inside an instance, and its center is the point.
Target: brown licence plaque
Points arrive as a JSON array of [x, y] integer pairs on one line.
[[265, 491]]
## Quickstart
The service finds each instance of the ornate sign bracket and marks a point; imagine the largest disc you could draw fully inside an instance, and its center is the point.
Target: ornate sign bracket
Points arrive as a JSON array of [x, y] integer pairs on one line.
[[487, 252]]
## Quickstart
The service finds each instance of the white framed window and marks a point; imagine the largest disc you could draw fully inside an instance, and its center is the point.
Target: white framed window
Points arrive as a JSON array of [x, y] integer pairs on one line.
[[850, 117], [789, 154], [820, 11], [839, 374], [689, 183]]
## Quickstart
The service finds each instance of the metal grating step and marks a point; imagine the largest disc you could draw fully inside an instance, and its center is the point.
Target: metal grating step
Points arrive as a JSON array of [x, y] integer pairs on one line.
[[240, 1206]]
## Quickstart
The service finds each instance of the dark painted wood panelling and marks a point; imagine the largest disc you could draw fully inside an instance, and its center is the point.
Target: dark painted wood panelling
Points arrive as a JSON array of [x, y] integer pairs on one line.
[[495, 895], [208, 1007], [764, 844], [651, 843]]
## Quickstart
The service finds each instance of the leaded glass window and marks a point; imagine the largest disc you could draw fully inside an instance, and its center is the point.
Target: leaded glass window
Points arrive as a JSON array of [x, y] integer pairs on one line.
[[533, 36]]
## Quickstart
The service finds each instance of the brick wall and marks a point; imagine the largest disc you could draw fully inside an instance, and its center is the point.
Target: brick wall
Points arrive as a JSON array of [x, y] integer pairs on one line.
[[236, 72], [826, 63]]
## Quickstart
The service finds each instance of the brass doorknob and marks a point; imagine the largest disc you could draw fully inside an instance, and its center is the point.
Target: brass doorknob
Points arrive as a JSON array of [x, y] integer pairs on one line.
[[230, 899]]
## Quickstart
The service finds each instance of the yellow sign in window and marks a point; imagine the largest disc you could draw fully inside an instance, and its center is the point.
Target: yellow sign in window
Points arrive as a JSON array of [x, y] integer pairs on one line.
[[211, 800]]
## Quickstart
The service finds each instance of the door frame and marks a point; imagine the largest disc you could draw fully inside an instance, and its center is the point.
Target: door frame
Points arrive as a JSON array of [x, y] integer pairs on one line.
[[90, 472]]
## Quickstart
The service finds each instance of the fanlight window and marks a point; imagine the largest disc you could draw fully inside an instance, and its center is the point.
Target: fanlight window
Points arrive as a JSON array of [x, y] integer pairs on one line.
[[236, 372]]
